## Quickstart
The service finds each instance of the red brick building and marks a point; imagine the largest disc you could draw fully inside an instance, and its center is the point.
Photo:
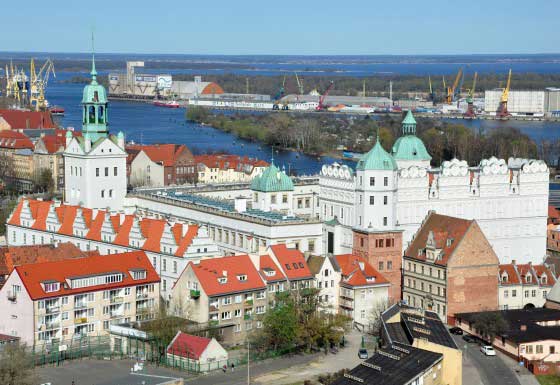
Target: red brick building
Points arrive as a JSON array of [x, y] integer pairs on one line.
[[383, 250], [450, 267]]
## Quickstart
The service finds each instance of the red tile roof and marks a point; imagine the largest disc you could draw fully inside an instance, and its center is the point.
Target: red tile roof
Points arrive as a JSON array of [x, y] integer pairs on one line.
[[227, 161], [152, 229], [188, 346], [267, 265], [166, 154], [11, 256], [517, 274], [56, 142], [209, 270], [512, 278], [356, 271], [292, 262], [15, 140], [443, 228], [18, 119], [34, 273]]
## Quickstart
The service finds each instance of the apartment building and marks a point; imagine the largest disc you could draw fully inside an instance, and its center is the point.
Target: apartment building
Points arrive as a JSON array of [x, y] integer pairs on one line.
[[62, 300], [363, 290], [47, 155], [234, 292], [226, 168], [168, 245], [523, 286], [450, 267], [327, 280], [16, 160]]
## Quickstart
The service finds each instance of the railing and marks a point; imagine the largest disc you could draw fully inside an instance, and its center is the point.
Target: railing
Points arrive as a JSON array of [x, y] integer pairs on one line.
[[52, 309], [249, 302], [80, 304], [141, 295], [52, 325], [114, 314], [82, 320], [116, 299]]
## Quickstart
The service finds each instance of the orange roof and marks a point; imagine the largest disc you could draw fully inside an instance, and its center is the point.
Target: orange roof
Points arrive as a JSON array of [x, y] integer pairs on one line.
[[356, 271], [166, 154], [152, 229], [553, 212], [512, 276], [15, 140], [33, 274], [18, 119], [517, 273], [11, 256], [292, 262], [227, 161], [187, 345], [56, 142], [209, 270], [442, 228], [269, 271], [212, 88]]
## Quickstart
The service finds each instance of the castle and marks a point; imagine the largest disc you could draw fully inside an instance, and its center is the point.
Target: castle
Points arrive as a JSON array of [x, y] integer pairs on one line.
[[389, 195]]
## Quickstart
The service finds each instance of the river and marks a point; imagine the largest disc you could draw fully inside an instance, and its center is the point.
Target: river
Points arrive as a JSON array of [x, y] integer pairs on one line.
[[144, 123]]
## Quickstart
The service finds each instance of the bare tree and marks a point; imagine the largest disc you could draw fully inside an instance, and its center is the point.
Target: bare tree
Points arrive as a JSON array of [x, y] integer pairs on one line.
[[16, 366]]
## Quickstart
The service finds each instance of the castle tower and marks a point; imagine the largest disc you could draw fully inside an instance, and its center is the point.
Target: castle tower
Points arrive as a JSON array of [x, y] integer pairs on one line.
[[95, 163], [375, 236], [409, 150]]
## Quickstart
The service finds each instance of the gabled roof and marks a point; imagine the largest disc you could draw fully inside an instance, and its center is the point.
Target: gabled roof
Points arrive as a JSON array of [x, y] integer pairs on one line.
[[56, 142], [229, 269], [356, 271], [165, 154], [188, 346], [15, 140], [447, 232], [152, 228], [268, 270], [291, 261], [11, 256], [507, 275], [228, 162], [18, 119], [60, 271]]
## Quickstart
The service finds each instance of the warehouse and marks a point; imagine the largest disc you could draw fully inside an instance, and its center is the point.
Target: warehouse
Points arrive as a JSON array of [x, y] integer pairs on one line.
[[530, 103], [195, 89], [552, 102], [139, 85]]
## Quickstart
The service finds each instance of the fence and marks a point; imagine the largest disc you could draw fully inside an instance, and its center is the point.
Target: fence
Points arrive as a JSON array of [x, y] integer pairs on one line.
[[129, 347]]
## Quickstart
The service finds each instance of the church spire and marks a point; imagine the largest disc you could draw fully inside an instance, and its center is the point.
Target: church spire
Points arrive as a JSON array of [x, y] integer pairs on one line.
[[93, 72], [409, 124]]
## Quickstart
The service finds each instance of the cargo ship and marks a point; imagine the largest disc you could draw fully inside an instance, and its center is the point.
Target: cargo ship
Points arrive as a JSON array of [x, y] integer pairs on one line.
[[166, 103], [56, 110]]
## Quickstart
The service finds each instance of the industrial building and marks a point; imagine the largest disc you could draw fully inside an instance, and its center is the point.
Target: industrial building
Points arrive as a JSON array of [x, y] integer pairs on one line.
[[195, 89], [552, 102], [138, 85], [530, 103]]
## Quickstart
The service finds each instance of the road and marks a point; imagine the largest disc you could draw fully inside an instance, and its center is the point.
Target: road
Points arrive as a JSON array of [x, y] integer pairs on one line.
[[491, 370]]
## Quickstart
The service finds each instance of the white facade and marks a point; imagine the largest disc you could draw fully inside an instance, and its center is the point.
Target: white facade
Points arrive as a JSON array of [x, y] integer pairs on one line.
[[362, 302], [519, 102], [95, 177], [508, 200], [146, 172], [327, 281]]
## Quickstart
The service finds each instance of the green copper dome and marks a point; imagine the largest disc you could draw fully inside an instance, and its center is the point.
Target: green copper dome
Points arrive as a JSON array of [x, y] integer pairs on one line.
[[377, 159], [94, 108], [272, 180], [409, 146], [94, 92]]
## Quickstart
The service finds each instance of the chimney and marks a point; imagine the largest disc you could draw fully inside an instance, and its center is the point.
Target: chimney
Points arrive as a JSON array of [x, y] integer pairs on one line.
[[240, 204], [362, 265], [224, 273]]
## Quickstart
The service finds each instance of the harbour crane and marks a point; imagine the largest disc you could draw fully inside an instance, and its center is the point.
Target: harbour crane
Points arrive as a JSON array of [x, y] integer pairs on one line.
[[432, 95], [38, 84], [503, 112], [279, 95], [453, 91], [470, 114], [322, 98], [299, 84]]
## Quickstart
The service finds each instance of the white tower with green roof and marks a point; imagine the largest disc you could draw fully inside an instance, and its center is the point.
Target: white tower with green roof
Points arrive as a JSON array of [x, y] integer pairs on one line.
[[409, 150], [95, 163], [273, 190]]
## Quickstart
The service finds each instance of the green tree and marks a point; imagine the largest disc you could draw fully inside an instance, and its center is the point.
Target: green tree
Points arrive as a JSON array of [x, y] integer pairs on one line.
[[280, 324], [16, 366], [490, 325], [5, 211], [44, 180]]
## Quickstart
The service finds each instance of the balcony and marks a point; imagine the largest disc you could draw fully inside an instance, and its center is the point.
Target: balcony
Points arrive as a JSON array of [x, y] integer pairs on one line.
[[249, 302], [248, 317], [114, 314], [79, 321], [52, 325], [195, 294], [213, 322], [52, 309], [116, 299], [141, 295], [80, 304]]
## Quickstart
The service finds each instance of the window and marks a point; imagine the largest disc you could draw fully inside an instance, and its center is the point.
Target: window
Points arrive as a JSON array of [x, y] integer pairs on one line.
[[110, 193], [226, 315], [385, 200], [237, 328], [380, 265], [544, 294], [102, 193], [389, 265], [127, 291], [226, 301], [51, 286], [384, 221], [174, 266], [385, 181], [238, 298], [526, 293], [115, 171], [260, 310], [237, 313], [529, 349], [371, 200], [106, 171], [372, 181], [97, 171], [514, 293], [506, 293], [539, 349]]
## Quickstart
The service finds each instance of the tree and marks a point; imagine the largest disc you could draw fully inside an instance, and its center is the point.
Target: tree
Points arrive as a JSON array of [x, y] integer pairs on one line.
[[44, 180], [490, 325], [280, 324], [375, 315], [16, 366], [5, 211]]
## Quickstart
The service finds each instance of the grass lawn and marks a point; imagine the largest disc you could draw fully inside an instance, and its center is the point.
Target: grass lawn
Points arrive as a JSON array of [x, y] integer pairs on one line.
[[548, 380]]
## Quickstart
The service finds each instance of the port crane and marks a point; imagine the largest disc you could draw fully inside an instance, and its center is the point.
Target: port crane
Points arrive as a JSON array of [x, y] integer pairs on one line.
[[432, 95], [299, 84], [38, 84], [503, 112], [453, 91], [470, 114], [322, 98], [279, 95]]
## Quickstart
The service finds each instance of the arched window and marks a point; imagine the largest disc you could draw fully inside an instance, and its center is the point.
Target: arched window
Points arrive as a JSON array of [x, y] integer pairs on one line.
[[101, 115], [85, 114], [91, 114]]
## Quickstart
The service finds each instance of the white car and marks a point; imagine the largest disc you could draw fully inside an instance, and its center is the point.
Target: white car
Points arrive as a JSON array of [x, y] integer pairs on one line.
[[488, 350]]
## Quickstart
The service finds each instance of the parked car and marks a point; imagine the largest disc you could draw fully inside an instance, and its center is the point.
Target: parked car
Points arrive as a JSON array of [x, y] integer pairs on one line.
[[487, 350], [363, 354], [470, 339], [456, 330]]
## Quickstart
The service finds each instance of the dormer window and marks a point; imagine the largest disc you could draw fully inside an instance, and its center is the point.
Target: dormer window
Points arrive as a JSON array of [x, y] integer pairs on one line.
[[543, 279], [504, 277], [242, 277], [50, 287], [528, 278], [269, 272], [288, 266], [222, 280], [419, 252], [449, 241], [138, 274]]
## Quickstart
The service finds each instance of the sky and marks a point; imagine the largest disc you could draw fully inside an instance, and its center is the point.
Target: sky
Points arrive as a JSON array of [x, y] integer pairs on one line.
[[282, 27]]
